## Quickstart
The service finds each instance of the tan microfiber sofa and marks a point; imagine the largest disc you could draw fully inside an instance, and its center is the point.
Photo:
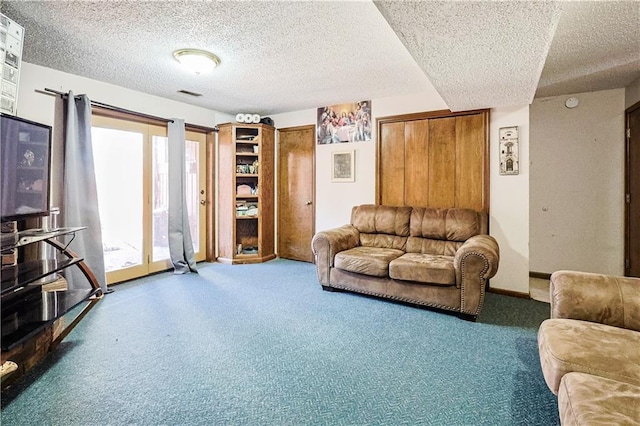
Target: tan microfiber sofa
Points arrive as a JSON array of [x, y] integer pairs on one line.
[[439, 258], [590, 348]]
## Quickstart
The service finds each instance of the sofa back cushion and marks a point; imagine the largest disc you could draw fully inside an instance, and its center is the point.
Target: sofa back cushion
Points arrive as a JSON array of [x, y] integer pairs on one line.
[[443, 231], [382, 226]]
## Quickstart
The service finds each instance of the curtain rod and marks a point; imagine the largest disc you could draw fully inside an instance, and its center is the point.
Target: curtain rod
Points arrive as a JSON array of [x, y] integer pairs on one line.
[[126, 111]]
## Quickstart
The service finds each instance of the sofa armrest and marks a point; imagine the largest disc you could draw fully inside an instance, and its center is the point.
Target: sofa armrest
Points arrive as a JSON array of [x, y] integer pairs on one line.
[[605, 299], [326, 244], [485, 247], [475, 262]]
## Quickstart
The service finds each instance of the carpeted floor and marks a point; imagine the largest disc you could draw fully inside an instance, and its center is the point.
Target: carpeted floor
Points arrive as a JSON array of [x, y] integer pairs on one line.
[[264, 345]]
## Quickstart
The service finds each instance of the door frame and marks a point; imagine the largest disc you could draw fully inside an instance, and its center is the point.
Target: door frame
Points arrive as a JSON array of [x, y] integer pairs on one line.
[[206, 153], [192, 135], [627, 185]]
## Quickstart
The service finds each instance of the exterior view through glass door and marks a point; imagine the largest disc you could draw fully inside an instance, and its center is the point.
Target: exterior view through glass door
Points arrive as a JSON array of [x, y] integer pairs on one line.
[[195, 181], [132, 184]]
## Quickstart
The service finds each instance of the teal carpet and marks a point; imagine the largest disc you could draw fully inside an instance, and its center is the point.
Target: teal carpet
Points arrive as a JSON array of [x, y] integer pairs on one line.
[[264, 345]]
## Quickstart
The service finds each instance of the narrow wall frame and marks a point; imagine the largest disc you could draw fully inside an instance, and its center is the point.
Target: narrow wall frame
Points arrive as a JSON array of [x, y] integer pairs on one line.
[[343, 166], [509, 151]]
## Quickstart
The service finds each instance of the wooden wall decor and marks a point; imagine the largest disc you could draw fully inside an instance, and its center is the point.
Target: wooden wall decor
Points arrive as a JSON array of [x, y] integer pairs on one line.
[[434, 159]]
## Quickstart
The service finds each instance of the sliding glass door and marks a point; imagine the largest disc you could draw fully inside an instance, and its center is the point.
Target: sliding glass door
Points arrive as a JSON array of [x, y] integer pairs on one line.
[[131, 164]]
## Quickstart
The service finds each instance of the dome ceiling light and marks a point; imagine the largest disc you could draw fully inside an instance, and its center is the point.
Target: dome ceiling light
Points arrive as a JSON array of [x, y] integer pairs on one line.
[[197, 61], [572, 102]]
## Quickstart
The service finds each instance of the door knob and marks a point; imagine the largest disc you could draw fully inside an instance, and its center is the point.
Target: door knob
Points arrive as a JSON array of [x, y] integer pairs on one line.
[[203, 202], [308, 203]]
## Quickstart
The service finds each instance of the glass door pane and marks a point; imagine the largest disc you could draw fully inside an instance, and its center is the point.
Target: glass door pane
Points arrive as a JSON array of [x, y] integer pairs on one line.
[[195, 174], [194, 162], [160, 199], [119, 179], [191, 191]]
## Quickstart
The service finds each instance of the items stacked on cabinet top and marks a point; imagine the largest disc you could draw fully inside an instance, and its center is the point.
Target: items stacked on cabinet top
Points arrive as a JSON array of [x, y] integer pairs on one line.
[[246, 193]]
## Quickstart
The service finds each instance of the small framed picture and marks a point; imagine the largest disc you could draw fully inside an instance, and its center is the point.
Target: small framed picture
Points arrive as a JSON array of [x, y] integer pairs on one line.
[[343, 166], [509, 155]]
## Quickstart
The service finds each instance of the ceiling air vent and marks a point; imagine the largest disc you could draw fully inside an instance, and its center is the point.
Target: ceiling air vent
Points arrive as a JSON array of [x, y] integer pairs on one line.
[[186, 92]]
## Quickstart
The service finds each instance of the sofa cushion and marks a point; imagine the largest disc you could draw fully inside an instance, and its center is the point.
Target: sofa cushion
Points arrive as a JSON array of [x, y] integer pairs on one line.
[[585, 399], [428, 223], [423, 268], [446, 224], [568, 345], [372, 261], [383, 241], [442, 231], [462, 224], [376, 219], [607, 299], [434, 247]]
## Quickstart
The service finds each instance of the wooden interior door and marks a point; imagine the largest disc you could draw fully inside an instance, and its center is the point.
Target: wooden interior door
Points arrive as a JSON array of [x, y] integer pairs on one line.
[[296, 183], [632, 210]]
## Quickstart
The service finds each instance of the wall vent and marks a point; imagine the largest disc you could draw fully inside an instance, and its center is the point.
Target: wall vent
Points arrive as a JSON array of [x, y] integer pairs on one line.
[[186, 92]]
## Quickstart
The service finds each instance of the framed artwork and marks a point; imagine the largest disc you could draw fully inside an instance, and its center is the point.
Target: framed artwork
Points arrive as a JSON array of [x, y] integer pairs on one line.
[[344, 123], [343, 166], [509, 156]]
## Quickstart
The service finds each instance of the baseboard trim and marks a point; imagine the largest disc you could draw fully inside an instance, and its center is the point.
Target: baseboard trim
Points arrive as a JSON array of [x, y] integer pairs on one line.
[[509, 293], [541, 275]]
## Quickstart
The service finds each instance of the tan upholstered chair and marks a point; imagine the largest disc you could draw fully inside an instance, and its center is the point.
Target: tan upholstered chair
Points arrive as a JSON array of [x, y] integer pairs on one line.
[[590, 347]]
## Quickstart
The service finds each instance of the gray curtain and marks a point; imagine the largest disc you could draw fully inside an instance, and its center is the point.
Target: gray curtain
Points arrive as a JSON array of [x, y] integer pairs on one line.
[[180, 243], [79, 195]]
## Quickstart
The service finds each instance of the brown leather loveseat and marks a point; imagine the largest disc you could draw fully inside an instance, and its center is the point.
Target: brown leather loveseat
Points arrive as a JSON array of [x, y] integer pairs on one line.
[[439, 258]]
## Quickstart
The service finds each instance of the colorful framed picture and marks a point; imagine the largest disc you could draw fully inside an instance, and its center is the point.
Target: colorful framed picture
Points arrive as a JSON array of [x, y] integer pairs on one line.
[[343, 166], [344, 123]]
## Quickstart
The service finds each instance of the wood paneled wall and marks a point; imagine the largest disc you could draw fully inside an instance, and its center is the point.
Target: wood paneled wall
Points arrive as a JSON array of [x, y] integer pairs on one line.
[[435, 159]]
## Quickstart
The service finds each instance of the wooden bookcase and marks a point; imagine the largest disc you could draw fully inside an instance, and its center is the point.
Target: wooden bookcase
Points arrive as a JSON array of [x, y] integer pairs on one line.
[[245, 193]]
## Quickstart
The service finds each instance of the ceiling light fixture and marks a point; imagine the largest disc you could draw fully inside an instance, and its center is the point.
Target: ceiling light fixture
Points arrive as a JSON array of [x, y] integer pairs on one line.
[[571, 102], [196, 60]]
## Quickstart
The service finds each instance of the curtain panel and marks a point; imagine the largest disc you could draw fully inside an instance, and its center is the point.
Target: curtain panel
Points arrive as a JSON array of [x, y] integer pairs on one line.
[[180, 242], [79, 200]]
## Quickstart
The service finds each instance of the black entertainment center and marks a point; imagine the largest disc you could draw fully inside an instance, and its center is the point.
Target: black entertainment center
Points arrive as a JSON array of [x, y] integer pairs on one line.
[[30, 306]]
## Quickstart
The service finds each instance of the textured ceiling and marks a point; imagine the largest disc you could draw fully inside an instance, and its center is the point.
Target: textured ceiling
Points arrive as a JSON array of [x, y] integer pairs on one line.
[[286, 56], [475, 51], [596, 47]]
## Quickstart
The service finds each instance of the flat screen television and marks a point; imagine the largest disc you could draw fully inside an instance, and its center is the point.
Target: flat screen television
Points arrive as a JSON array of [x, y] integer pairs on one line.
[[25, 168]]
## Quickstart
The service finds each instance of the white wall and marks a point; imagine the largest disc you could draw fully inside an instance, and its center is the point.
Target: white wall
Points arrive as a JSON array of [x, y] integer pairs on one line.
[[632, 93], [510, 203], [40, 108], [577, 183], [509, 194]]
